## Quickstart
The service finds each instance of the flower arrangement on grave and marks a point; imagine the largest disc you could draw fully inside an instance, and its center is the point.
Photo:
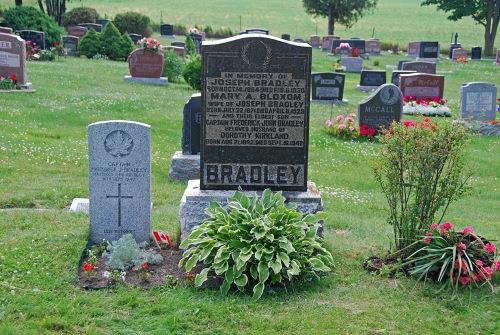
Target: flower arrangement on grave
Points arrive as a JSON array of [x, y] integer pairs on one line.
[[32, 51], [366, 131], [428, 106], [343, 48], [9, 83], [150, 44], [355, 52], [498, 105], [462, 60], [337, 67], [343, 126], [453, 258]]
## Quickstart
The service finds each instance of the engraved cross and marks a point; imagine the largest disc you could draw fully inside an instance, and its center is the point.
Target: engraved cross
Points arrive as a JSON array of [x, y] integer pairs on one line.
[[119, 197]]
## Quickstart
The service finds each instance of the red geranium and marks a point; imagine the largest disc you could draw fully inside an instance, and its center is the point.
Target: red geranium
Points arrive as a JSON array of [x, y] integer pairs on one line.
[[13, 77], [355, 52], [366, 131], [87, 267]]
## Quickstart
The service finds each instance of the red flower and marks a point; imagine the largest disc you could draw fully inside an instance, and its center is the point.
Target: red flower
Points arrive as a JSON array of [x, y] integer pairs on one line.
[[13, 77], [364, 130], [468, 230], [428, 239], [461, 247], [434, 226], [486, 273], [133, 269], [409, 124], [496, 265], [464, 280], [445, 227], [144, 265], [479, 263], [465, 268], [490, 248], [87, 267]]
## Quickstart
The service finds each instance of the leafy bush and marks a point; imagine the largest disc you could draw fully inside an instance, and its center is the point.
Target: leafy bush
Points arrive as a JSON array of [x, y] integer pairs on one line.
[[79, 15], [30, 18], [112, 43], [190, 46], [256, 242], [454, 258], [126, 46], [343, 126], [192, 71], [47, 55], [90, 44], [133, 23], [421, 170], [126, 253], [173, 66]]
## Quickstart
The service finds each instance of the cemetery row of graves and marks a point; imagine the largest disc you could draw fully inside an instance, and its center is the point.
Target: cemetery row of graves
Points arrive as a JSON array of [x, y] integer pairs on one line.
[[250, 213]]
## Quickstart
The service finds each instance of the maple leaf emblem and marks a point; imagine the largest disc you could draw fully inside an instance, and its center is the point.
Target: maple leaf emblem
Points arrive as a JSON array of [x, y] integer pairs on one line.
[[118, 143]]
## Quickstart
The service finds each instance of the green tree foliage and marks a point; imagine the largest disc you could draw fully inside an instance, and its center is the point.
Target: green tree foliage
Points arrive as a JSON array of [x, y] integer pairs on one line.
[[90, 44], [190, 46], [345, 12], [27, 17], [126, 46], [192, 71], [133, 23], [79, 15], [484, 12], [112, 43], [173, 66]]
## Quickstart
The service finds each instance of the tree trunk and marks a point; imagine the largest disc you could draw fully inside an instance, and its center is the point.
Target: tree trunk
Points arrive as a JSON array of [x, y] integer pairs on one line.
[[19, 2], [490, 28], [331, 21], [40, 4]]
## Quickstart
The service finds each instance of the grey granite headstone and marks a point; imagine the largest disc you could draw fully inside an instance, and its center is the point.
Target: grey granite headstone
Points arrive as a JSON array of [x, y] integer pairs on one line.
[[95, 26], [328, 86], [315, 41], [70, 43], [379, 110], [478, 101], [352, 64], [373, 47], [119, 180], [420, 67], [37, 37]]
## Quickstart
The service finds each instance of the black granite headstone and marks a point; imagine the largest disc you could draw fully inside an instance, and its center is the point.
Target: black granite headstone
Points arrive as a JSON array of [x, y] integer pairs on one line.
[[429, 50], [286, 37], [476, 53], [401, 62], [255, 31], [191, 128], [298, 40], [396, 74], [102, 22], [255, 113], [166, 30], [328, 86], [379, 110], [135, 37], [37, 37], [197, 39], [421, 67], [178, 44], [95, 26], [70, 43], [372, 78]]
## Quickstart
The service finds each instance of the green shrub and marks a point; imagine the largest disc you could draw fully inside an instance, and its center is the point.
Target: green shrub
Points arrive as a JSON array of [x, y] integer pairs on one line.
[[180, 29], [376, 63], [421, 169], [173, 66], [192, 71], [112, 43], [79, 15], [256, 241], [126, 253], [126, 46], [90, 44], [133, 23], [47, 56], [30, 18], [190, 46]]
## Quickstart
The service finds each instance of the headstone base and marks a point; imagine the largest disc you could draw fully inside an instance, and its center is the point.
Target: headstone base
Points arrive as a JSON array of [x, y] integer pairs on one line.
[[169, 36], [480, 127], [426, 111], [162, 81], [430, 60], [25, 88], [366, 89], [195, 201], [184, 167], [331, 102], [79, 205]]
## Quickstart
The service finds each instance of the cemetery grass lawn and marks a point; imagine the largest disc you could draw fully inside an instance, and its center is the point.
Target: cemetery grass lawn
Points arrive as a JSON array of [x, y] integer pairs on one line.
[[43, 165], [399, 21]]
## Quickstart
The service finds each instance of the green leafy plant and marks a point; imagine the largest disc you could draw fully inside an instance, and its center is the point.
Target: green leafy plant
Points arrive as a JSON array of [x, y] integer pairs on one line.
[[254, 242], [127, 253], [453, 258], [133, 23], [192, 71], [112, 43], [46, 55], [9, 83], [126, 46], [190, 46], [173, 66], [90, 44], [79, 15], [421, 170], [30, 18]]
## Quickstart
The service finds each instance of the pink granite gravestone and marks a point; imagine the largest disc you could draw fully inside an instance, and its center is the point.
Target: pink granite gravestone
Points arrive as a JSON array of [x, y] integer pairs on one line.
[[13, 57]]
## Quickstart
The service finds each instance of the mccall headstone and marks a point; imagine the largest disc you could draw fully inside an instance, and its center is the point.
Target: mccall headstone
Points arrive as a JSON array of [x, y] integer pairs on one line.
[[6, 30], [77, 31], [476, 53], [396, 74], [413, 49], [167, 30], [119, 180], [352, 64], [382, 108], [372, 47], [37, 37], [13, 58], [328, 87], [478, 101], [421, 67], [70, 43], [146, 66], [459, 53], [97, 27], [421, 85], [429, 50], [256, 114], [315, 41]]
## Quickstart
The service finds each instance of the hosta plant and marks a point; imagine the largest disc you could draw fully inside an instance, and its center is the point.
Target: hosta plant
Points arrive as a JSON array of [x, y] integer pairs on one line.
[[253, 242], [454, 258]]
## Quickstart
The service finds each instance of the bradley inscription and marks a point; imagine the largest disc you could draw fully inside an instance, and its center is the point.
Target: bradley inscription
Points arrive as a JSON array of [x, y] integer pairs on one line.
[[256, 102]]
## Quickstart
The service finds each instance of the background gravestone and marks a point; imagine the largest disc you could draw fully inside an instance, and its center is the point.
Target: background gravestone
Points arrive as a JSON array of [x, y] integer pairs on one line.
[[77, 31], [372, 78], [352, 64], [353, 43], [179, 51], [476, 53], [256, 31], [166, 30], [315, 41], [102, 22], [327, 43], [13, 58], [135, 38], [459, 53], [478, 101], [119, 180], [401, 62], [70, 43], [328, 86], [6, 30], [299, 40], [37, 37], [286, 37], [178, 44], [421, 67], [413, 49], [498, 57], [254, 135], [97, 27], [396, 74], [191, 128], [145, 64], [421, 85], [372, 47], [197, 39], [429, 50], [379, 110]]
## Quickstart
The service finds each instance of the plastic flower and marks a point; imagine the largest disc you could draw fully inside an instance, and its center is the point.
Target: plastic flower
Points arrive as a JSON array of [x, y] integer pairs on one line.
[[496, 265], [434, 226], [339, 118], [445, 227], [409, 124], [490, 248], [428, 239], [468, 230], [479, 263], [464, 280], [144, 265], [87, 267], [342, 126], [461, 247], [13, 77]]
